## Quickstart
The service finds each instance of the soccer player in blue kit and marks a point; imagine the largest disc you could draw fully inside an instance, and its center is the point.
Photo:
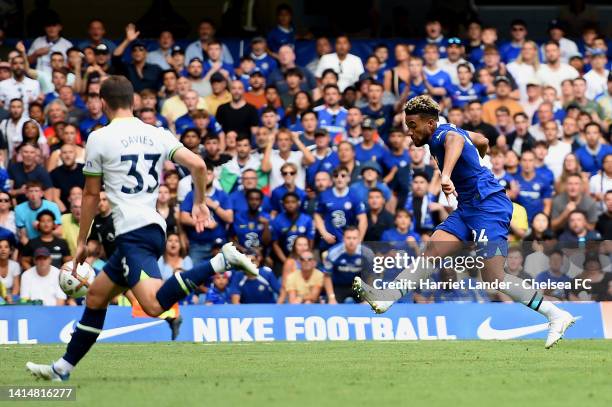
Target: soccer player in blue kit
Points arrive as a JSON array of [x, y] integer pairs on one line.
[[482, 216]]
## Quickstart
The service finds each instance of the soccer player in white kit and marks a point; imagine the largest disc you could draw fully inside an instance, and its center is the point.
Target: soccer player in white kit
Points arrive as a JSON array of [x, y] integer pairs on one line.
[[128, 156]]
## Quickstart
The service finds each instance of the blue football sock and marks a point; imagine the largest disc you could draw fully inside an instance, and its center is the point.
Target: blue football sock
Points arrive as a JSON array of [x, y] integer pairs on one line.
[[180, 285], [85, 334]]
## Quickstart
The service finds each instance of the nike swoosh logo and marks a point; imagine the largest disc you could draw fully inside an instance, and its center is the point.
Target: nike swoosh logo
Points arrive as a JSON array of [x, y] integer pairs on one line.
[[486, 331], [66, 332]]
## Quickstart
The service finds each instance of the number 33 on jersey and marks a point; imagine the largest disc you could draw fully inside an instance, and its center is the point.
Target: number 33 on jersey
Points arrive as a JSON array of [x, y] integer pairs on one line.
[[130, 155]]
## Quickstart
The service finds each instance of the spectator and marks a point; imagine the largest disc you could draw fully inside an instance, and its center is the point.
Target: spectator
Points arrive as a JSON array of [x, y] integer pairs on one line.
[[195, 74], [292, 264], [322, 47], [502, 98], [544, 114], [554, 275], [498, 167], [163, 54], [42, 47], [605, 101], [597, 78], [514, 264], [433, 32], [290, 224], [251, 228], [338, 209], [580, 100], [604, 222], [332, 117], [495, 67], [7, 216], [525, 68], [94, 116], [465, 90], [28, 170], [19, 86], [142, 74], [436, 81], [556, 149], [346, 65], [573, 199], [165, 207], [256, 94], [10, 272], [567, 47], [513, 50], [218, 292], [237, 115], [300, 105], [286, 59], [245, 160], [601, 182], [591, 155], [326, 159], [379, 218], [455, 51], [289, 172], [343, 263], [535, 191], [273, 160], [175, 258], [555, 70], [264, 62], [262, 289], [199, 48], [11, 129], [369, 149], [571, 166], [70, 225], [102, 228], [423, 206], [404, 71], [66, 176], [95, 33], [69, 136], [304, 286], [520, 140], [474, 113], [402, 236], [201, 245], [41, 282], [57, 247], [382, 115], [370, 174], [283, 33], [576, 231], [214, 152]]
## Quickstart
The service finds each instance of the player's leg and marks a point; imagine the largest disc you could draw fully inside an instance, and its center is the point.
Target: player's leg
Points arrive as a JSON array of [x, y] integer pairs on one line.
[[443, 243], [142, 248], [99, 295]]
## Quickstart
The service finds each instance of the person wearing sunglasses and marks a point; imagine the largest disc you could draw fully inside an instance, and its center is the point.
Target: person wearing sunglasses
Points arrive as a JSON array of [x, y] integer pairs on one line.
[[338, 209], [289, 173], [455, 52], [511, 50], [304, 286]]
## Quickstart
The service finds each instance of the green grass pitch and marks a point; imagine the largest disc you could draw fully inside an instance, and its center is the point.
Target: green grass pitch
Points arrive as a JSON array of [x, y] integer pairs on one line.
[[465, 373]]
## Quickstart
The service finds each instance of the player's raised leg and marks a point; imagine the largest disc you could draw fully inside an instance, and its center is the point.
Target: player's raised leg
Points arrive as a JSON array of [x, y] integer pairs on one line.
[[441, 244], [99, 295]]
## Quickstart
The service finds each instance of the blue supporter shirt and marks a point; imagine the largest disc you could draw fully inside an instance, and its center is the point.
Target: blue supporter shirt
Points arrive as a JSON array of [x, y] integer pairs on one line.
[[438, 79], [240, 204], [280, 36], [87, 125], [215, 236], [207, 66], [216, 296], [548, 277], [260, 290], [276, 198], [339, 211], [186, 122], [545, 173], [333, 122], [375, 153], [461, 96], [472, 181], [416, 90], [326, 164], [532, 193], [509, 52], [285, 231], [25, 216], [265, 63], [440, 42], [390, 160], [249, 230], [592, 162], [361, 191], [344, 267]]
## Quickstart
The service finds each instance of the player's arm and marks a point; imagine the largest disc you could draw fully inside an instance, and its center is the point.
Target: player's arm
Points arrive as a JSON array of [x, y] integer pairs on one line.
[[89, 208], [453, 146], [481, 143], [197, 169]]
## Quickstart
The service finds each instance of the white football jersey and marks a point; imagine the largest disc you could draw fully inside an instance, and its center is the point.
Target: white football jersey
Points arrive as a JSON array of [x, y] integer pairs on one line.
[[130, 155]]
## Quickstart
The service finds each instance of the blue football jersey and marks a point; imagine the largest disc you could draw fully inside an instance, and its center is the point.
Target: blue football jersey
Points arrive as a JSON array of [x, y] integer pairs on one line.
[[333, 122], [326, 164], [461, 96], [240, 204], [390, 160], [339, 211], [532, 193], [509, 52], [375, 153], [285, 230], [438, 79], [344, 267], [186, 122], [276, 199], [218, 235], [472, 181], [248, 229], [260, 290]]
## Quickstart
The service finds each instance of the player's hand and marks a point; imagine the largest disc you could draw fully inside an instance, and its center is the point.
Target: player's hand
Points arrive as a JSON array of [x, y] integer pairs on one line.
[[201, 217], [79, 257], [447, 186]]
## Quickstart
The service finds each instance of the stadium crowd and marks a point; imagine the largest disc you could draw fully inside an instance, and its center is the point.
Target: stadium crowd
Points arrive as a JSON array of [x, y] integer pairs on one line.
[[307, 164]]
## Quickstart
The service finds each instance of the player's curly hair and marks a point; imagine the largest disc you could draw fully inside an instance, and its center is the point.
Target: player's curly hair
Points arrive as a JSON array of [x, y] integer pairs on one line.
[[422, 105]]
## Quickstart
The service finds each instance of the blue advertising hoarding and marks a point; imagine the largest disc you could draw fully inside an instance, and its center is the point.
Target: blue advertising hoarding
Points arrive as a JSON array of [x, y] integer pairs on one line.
[[237, 323]]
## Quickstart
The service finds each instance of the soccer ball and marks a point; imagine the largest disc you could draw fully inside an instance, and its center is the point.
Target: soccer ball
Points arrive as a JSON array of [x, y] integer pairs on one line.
[[76, 287]]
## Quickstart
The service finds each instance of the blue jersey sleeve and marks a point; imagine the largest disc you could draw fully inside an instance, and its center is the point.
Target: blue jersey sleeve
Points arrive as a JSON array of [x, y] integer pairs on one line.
[[310, 229], [224, 200], [358, 204], [546, 190]]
